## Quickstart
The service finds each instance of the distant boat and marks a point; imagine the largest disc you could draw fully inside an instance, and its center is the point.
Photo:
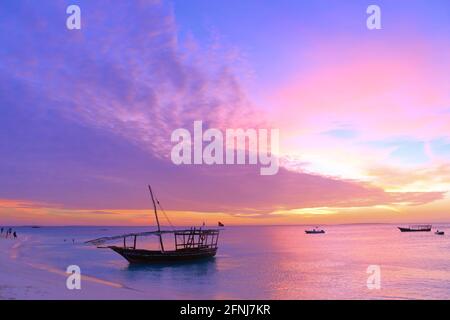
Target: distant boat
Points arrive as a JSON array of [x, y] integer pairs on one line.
[[221, 224], [417, 228], [315, 231], [439, 233], [190, 244]]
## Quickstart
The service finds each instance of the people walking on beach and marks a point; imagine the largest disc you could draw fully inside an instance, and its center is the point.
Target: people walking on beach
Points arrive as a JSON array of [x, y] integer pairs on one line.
[[8, 232]]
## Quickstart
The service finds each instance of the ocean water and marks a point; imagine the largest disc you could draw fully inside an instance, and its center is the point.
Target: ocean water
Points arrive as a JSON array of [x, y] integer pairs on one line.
[[265, 262]]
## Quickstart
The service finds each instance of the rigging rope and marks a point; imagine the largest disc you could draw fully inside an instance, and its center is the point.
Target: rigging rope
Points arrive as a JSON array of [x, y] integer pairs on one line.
[[165, 215]]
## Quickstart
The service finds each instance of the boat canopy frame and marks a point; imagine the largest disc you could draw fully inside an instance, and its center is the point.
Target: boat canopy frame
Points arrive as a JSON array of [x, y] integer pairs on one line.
[[196, 239], [184, 238], [420, 226]]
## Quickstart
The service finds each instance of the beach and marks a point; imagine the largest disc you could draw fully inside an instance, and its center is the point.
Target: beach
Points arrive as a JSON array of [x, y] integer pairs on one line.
[[265, 262], [23, 279]]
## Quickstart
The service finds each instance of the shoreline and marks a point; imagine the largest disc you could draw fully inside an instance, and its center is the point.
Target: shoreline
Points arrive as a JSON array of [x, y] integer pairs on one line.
[[22, 280]]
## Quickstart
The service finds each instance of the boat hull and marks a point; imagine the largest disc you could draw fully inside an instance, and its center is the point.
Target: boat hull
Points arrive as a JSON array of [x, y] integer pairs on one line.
[[314, 232], [414, 230], [138, 256]]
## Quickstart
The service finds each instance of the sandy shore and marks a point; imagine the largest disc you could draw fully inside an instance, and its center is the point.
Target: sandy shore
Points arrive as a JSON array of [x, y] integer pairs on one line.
[[21, 279]]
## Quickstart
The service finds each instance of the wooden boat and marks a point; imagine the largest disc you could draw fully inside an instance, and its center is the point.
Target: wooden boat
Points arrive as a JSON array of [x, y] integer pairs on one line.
[[439, 233], [417, 228], [190, 244], [314, 231]]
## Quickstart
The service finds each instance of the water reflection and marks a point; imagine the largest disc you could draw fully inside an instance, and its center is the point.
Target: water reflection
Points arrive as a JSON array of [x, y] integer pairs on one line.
[[189, 269], [271, 263]]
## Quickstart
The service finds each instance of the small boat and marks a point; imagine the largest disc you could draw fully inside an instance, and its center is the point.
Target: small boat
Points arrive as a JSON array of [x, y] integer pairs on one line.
[[439, 233], [190, 244], [417, 228], [314, 231], [220, 224]]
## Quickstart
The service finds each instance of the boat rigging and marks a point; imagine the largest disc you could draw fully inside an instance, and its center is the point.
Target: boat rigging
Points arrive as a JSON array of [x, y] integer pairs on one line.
[[190, 244]]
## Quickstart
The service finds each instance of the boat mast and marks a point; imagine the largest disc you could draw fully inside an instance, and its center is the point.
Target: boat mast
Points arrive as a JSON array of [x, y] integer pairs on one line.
[[157, 220]]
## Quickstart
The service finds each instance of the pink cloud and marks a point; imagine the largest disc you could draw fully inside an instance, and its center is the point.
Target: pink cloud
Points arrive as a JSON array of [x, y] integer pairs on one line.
[[384, 88]]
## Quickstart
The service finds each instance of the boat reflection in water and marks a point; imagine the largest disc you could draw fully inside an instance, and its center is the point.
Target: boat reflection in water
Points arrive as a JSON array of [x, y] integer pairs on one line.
[[190, 244]]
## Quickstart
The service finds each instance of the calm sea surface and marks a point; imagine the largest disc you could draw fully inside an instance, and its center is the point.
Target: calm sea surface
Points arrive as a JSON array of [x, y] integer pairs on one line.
[[278, 262]]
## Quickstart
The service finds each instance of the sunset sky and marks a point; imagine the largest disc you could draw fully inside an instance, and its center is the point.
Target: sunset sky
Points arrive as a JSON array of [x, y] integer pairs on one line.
[[86, 115]]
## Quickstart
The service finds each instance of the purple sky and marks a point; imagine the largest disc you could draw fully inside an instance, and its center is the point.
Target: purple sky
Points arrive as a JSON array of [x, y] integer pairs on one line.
[[86, 116]]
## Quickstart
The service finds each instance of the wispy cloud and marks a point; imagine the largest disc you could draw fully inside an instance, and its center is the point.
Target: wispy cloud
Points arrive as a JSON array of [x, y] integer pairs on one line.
[[133, 77]]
